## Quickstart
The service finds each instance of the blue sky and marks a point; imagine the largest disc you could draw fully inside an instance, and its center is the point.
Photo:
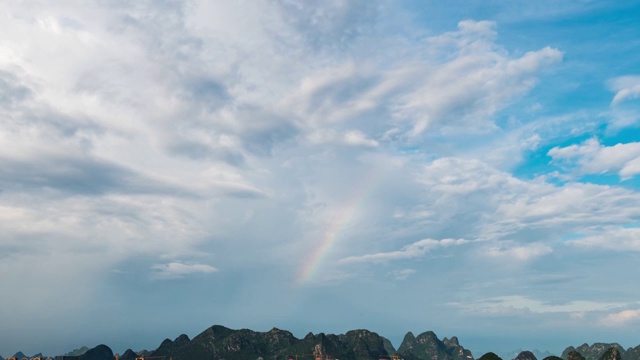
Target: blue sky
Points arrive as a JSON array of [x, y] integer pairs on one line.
[[468, 167]]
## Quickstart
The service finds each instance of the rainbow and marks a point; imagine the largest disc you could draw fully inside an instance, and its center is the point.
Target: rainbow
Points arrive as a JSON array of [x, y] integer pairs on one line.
[[336, 227]]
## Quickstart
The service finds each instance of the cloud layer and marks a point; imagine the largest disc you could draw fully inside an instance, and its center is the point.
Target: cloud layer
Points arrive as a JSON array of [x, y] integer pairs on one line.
[[225, 148]]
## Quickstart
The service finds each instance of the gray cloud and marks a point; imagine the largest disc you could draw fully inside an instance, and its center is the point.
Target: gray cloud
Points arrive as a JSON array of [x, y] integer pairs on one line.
[[11, 90], [79, 176], [331, 26]]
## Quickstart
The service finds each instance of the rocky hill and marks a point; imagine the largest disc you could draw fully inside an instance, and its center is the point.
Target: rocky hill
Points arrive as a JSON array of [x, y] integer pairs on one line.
[[100, 352], [456, 350], [21, 355], [144, 353], [77, 352], [428, 346], [388, 346], [219, 342], [128, 355], [632, 353], [552, 357], [537, 353], [490, 356], [612, 353], [573, 355], [526, 355], [598, 350]]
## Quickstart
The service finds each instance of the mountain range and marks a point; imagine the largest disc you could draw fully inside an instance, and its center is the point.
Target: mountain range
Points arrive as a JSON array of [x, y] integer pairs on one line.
[[219, 342], [598, 350]]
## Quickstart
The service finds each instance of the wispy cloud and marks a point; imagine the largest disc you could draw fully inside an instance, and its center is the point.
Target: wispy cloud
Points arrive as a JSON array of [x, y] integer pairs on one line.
[[615, 239], [417, 249], [626, 88], [522, 304], [402, 274], [514, 253], [177, 270]]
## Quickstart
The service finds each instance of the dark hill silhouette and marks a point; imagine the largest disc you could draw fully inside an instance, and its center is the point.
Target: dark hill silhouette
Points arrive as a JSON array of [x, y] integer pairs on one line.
[[552, 357], [100, 352], [129, 355], [526, 355], [219, 342], [490, 356]]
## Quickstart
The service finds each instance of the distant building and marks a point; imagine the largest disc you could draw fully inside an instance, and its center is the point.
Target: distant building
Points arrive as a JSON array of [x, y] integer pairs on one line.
[[66, 357]]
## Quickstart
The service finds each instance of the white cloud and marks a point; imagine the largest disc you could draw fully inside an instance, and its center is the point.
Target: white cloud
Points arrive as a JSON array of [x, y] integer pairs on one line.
[[593, 158], [415, 250], [176, 270], [421, 93], [154, 131], [402, 274], [517, 253], [474, 200], [621, 318], [522, 304], [577, 315], [626, 88], [509, 219], [350, 138], [616, 239], [462, 95], [357, 138], [623, 111]]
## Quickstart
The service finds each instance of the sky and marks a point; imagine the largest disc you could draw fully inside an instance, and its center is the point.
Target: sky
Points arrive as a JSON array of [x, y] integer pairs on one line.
[[467, 167]]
